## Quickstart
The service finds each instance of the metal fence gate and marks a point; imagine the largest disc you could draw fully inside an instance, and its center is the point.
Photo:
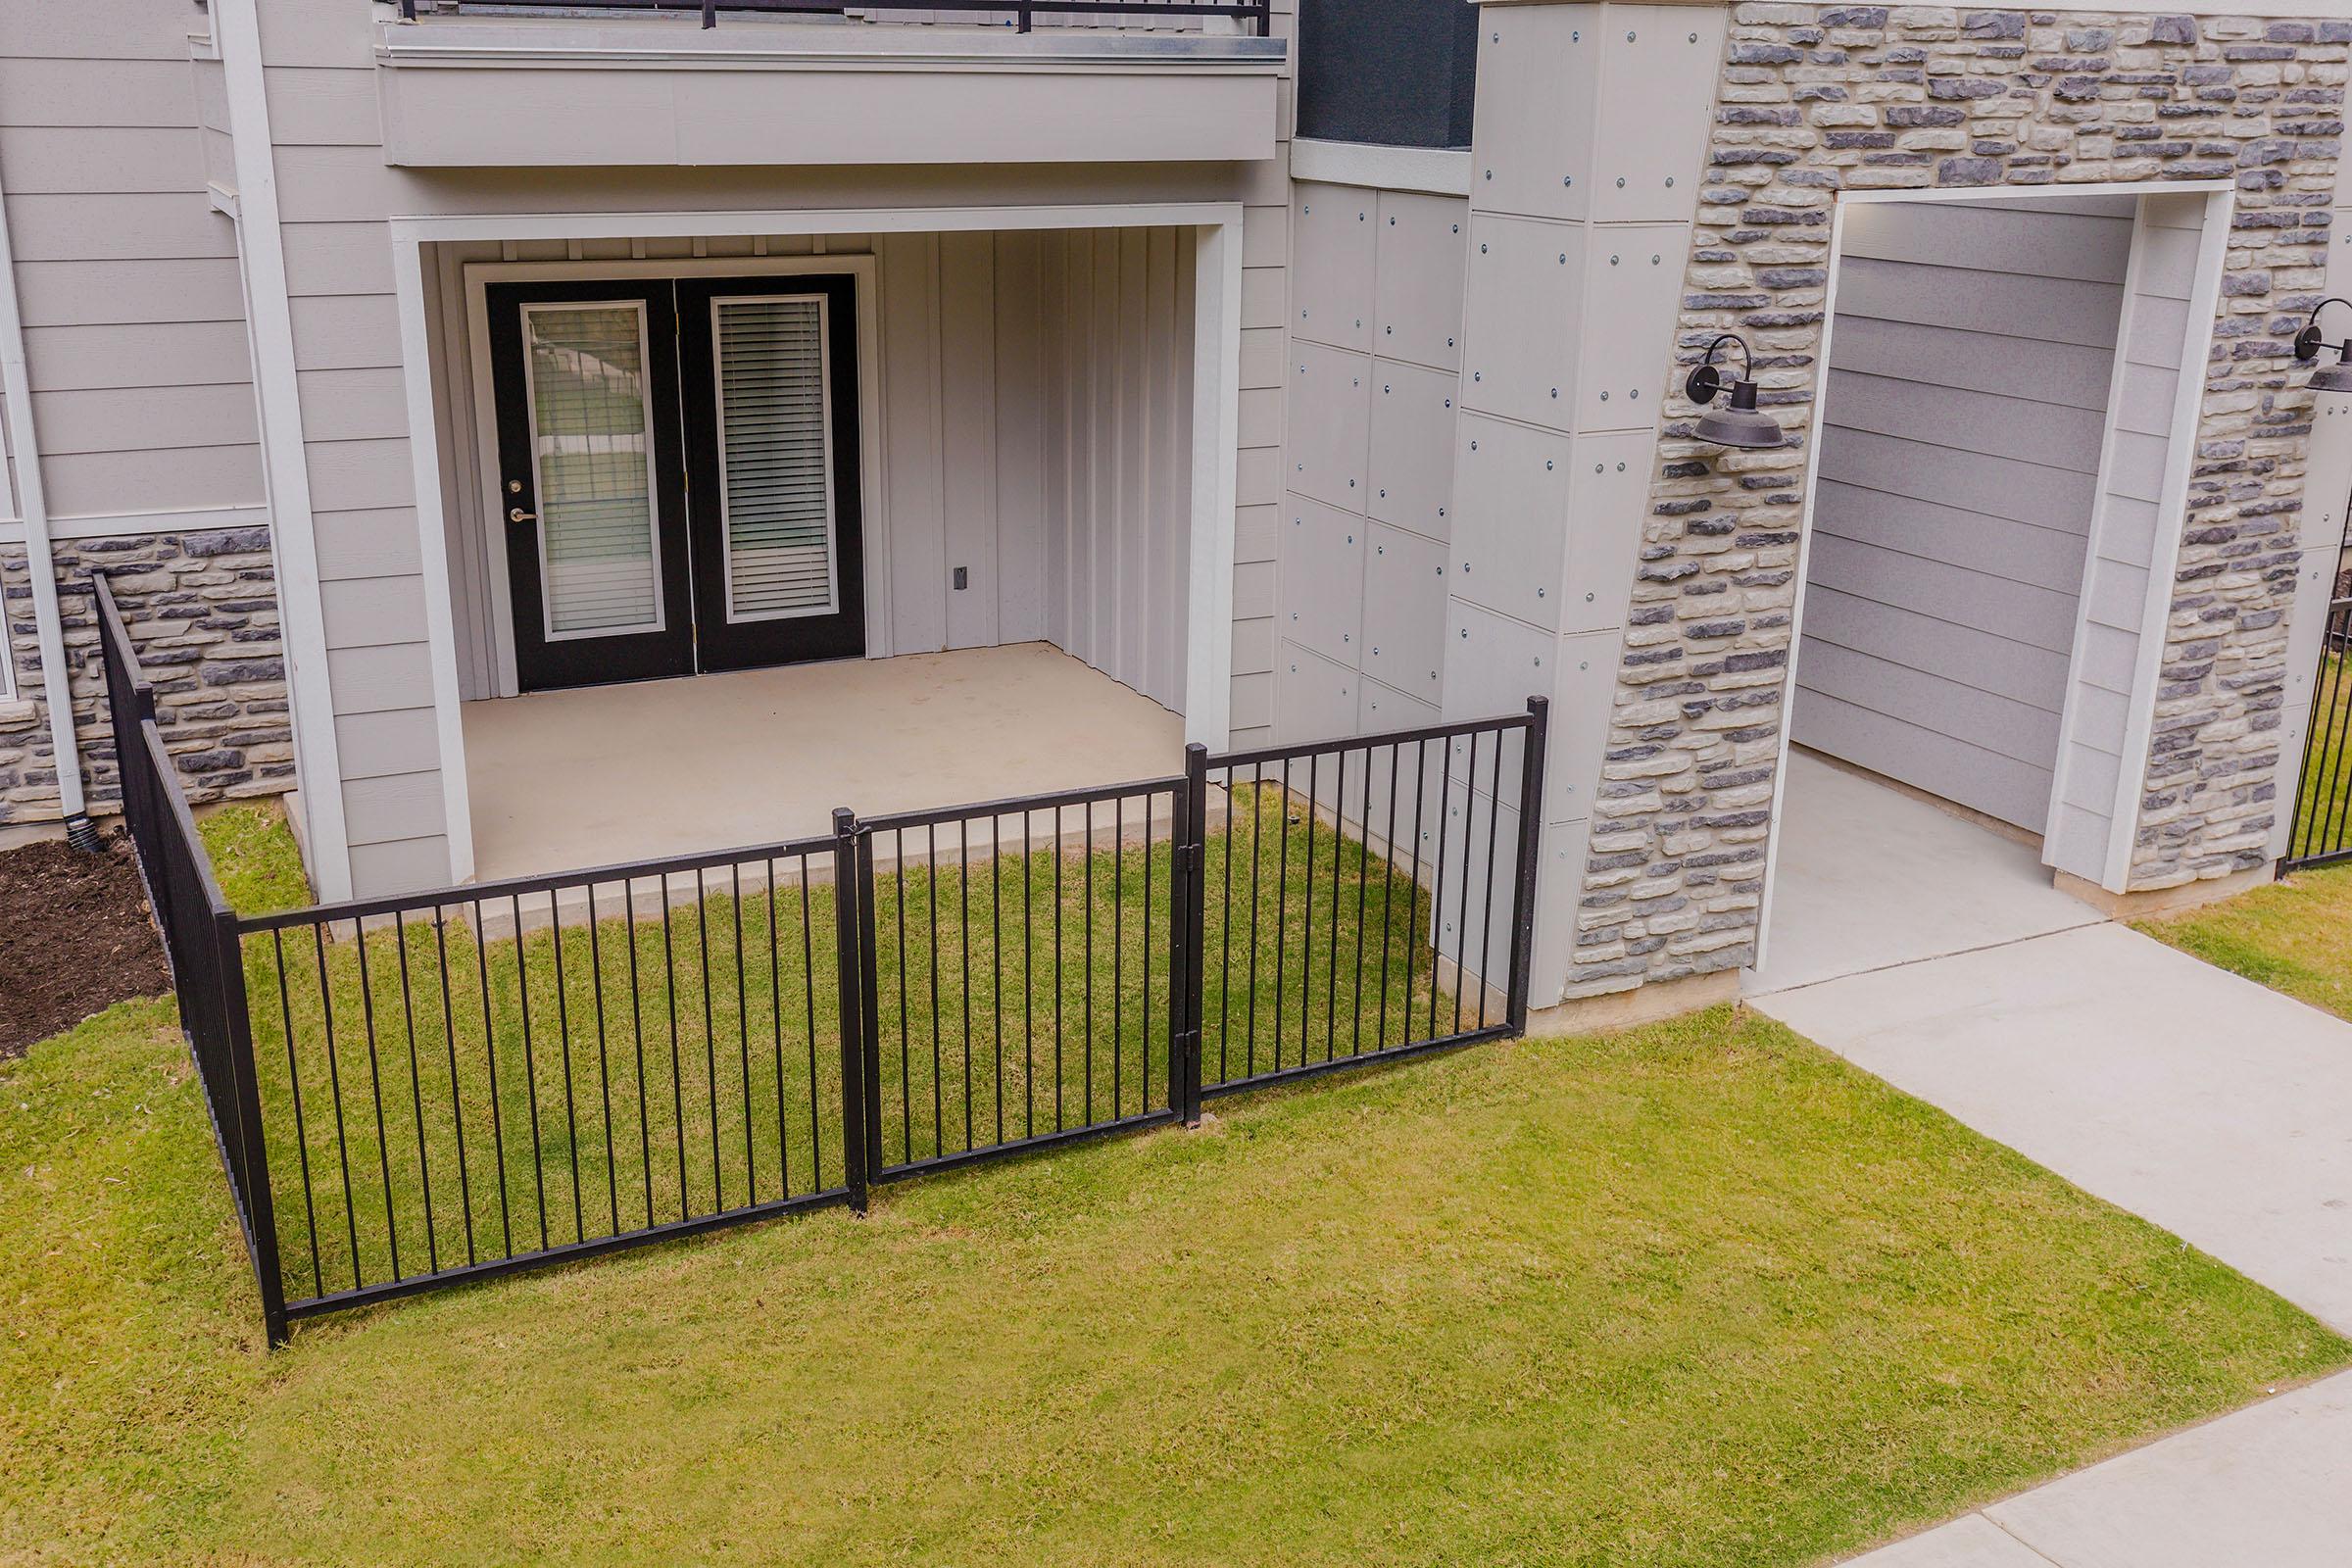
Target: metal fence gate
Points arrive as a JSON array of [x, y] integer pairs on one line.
[[412, 1090]]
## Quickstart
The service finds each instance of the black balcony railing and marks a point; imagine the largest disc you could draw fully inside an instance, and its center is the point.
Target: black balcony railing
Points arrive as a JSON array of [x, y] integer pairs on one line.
[[1016, 14]]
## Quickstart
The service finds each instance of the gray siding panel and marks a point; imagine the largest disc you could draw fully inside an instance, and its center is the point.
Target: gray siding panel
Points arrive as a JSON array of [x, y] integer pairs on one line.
[[171, 354], [134, 314], [1952, 521]]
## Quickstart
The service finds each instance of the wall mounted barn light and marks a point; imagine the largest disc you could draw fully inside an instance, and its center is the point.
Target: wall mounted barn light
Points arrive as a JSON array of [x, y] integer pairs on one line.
[[2337, 377], [1737, 423]]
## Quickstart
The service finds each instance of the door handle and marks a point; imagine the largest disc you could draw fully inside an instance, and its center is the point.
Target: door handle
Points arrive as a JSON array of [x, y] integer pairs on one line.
[[518, 514]]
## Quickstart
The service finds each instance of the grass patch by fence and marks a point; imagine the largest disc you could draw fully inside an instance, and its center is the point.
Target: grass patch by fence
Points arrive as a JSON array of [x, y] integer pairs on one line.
[[2293, 936], [433, 1098]]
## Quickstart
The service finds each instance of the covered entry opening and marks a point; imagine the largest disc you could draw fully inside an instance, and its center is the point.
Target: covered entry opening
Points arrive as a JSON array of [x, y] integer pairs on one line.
[[873, 504], [2007, 409]]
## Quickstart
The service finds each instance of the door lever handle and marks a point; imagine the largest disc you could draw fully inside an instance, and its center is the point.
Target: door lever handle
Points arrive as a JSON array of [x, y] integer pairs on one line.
[[518, 514]]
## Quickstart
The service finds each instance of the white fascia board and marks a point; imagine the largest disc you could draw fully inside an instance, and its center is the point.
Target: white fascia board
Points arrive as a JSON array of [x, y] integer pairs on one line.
[[1436, 171]]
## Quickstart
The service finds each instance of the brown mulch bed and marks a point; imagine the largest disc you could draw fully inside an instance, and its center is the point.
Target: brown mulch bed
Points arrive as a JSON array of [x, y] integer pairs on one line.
[[74, 938]]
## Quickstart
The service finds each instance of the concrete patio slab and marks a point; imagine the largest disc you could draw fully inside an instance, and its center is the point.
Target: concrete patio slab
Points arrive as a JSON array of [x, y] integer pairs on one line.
[[1868, 876], [2268, 1485], [2215, 1107], [606, 774]]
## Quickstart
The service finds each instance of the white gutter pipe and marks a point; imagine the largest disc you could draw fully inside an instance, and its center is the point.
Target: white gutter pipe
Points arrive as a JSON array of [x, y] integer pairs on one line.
[[57, 692]]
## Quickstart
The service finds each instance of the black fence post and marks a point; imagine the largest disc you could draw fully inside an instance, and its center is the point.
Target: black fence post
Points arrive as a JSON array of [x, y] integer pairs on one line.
[[1192, 878], [852, 1031], [252, 1148], [1530, 841], [869, 1003]]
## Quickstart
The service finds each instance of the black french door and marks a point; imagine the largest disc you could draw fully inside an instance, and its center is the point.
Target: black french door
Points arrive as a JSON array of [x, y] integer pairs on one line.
[[678, 475]]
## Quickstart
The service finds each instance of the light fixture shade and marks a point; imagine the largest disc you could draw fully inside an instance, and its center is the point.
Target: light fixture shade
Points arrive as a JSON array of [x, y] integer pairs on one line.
[[2337, 377], [1738, 424]]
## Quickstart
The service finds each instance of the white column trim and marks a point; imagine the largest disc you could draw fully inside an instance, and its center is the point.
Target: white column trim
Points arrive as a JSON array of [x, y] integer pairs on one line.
[[2171, 523], [286, 457], [1217, 434], [440, 619], [39, 565]]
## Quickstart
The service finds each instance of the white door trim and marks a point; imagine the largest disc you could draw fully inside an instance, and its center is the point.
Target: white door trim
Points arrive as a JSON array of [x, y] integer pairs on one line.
[[873, 472], [1216, 399]]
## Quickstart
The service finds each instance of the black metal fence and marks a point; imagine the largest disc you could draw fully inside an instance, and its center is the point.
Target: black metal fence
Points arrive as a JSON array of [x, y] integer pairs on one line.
[[418, 1090], [2321, 831], [202, 943], [1019, 14]]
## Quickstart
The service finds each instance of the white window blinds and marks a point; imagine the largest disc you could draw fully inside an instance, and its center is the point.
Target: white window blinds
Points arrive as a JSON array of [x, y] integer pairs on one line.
[[589, 426], [776, 454]]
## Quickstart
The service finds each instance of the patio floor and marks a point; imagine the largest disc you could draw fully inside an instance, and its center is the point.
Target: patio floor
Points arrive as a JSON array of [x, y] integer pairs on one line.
[[604, 775]]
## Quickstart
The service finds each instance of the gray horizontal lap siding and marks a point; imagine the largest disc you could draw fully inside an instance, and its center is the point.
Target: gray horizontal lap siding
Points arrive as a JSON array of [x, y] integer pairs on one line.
[[134, 320], [142, 396], [1951, 519]]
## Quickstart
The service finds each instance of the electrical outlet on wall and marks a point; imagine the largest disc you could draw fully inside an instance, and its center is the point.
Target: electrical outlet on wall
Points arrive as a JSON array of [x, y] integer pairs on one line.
[[963, 578]]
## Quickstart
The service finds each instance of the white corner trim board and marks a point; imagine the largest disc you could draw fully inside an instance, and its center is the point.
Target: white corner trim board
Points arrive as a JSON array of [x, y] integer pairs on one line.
[[286, 459], [1217, 437], [2204, 309], [48, 627]]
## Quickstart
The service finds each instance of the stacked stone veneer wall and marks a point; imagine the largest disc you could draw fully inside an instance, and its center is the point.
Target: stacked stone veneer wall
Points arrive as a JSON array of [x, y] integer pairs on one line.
[[1816, 100], [202, 609]]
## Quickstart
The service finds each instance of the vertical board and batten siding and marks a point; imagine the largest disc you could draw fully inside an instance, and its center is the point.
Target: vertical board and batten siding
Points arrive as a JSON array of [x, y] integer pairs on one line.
[[1117, 474], [135, 319], [337, 193], [2159, 325], [1965, 417]]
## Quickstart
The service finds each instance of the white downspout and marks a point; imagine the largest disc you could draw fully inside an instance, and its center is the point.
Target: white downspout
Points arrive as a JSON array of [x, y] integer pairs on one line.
[[41, 564]]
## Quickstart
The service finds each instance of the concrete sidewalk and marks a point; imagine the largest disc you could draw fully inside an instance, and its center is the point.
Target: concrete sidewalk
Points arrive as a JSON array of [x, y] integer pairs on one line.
[[2214, 1107], [2210, 1106], [2269, 1487]]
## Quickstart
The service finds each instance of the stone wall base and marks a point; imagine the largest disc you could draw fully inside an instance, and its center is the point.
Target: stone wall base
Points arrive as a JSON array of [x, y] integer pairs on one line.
[[2157, 902], [202, 611], [1623, 1009]]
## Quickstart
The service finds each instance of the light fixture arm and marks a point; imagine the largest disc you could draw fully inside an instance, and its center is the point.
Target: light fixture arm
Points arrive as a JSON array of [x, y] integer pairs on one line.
[[1707, 381], [2310, 340]]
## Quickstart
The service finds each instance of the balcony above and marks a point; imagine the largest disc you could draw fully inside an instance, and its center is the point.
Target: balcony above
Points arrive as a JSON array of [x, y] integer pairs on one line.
[[478, 91]]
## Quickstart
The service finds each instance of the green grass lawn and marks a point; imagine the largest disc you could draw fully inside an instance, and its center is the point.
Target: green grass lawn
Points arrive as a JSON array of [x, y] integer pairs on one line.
[[1697, 1293], [2294, 935]]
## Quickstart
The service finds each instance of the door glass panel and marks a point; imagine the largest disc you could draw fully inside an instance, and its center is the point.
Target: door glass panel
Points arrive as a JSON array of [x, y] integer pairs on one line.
[[591, 420], [775, 457]]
